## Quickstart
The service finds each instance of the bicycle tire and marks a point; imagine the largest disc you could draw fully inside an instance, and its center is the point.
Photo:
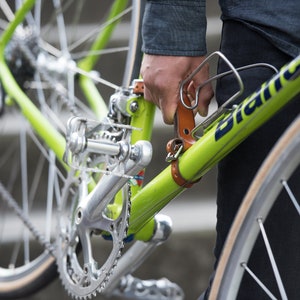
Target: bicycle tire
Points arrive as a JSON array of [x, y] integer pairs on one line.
[[279, 166], [17, 277]]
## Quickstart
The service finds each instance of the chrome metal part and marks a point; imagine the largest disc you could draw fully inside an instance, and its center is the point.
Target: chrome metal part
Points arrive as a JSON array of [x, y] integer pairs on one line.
[[118, 104], [124, 285], [83, 275], [161, 289], [104, 147], [90, 208], [134, 106], [91, 215], [190, 77], [163, 228], [75, 135]]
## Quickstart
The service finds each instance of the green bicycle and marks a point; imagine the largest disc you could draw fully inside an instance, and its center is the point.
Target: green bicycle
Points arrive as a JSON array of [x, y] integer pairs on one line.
[[95, 153]]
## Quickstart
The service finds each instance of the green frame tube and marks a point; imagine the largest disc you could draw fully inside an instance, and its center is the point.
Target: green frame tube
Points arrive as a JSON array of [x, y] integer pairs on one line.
[[219, 139]]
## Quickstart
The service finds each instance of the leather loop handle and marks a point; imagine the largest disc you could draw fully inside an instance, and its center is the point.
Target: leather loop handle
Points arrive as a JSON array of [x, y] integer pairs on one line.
[[184, 124]]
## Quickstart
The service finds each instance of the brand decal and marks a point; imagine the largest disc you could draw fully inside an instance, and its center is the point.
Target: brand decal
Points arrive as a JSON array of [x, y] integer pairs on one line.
[[255, 101]]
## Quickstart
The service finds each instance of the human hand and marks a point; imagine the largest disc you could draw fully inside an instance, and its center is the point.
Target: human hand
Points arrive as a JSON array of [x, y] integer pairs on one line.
[[162, 76]]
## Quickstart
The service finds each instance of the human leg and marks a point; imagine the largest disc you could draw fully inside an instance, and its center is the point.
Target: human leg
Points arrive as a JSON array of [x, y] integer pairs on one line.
[[243, 46]]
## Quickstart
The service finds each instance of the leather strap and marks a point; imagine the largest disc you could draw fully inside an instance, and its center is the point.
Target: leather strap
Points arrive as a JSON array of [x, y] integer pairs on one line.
[[177, 177], [184, 124]]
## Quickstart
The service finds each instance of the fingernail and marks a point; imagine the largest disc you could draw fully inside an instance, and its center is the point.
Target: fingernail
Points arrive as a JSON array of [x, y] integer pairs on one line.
[[203, 111]]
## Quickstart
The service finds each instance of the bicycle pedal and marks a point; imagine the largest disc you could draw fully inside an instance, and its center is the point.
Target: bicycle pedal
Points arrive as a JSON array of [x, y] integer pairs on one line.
[[161, 289]]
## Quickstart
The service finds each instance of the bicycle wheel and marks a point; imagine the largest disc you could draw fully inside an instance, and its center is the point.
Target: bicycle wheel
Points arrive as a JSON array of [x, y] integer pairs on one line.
[[274, 182], [49, 56]]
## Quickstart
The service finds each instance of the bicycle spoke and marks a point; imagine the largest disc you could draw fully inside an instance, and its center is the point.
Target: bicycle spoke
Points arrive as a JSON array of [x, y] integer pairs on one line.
[[61, 29], [291, 195], [273, 201], [24, 183], [258, 281], [272, 260], [14, 255], [95, 31], [6, 10], [50, 194]]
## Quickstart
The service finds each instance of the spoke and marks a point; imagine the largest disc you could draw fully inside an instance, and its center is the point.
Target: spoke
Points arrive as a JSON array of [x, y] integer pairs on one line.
[[76, 20], [79, 55], [49, 208], [71, 87], [36, 179], [98, 29], [266, 290], [47, 111], [37, 16], [291, 195], [95, 78], [12, 203], [44, 152], [14, 171], [272, 259], [6, 10], [24, 184], [61, 28], [14, 256]]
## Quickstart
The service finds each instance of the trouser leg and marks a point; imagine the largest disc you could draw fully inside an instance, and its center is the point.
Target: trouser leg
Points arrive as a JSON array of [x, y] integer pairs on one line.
[[235, 172]]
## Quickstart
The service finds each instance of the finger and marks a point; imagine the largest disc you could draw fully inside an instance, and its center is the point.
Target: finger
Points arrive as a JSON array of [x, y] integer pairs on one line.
[[205, 95], [149, 96], [169, 108]]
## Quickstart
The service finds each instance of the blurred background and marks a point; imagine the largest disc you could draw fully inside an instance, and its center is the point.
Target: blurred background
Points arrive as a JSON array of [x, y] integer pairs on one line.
[[187, 257]]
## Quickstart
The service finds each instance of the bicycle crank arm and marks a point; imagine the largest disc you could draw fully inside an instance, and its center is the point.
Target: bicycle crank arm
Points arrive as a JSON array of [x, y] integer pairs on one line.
[[90, 208], [123, 284]]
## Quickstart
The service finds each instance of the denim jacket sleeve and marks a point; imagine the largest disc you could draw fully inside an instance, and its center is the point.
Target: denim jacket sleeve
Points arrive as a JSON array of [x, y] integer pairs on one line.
[[174, 27]]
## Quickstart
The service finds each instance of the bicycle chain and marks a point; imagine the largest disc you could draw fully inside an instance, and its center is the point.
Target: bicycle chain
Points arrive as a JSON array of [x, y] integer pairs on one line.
[[12, 203]]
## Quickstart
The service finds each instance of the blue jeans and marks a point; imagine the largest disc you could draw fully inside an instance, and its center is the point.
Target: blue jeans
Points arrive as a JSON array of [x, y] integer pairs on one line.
[[235, 172]]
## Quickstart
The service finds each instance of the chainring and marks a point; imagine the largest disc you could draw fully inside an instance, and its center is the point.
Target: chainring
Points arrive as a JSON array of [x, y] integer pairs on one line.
[[82, 270]]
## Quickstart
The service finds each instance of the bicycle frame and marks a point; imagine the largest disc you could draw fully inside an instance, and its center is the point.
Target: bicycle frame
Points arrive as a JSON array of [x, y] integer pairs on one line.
[[222, 136], [219, 138]]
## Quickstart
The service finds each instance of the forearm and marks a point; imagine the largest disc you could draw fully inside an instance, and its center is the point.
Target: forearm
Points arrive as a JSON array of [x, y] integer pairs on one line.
[[174, 27]]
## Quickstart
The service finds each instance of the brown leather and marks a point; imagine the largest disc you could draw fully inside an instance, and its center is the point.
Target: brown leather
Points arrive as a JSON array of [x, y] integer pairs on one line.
[[184, 124], [138, 87], [178, 177], [174, 145]]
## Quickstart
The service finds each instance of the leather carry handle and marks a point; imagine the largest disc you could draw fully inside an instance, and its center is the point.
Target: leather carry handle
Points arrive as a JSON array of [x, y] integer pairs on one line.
[[184, 123]]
